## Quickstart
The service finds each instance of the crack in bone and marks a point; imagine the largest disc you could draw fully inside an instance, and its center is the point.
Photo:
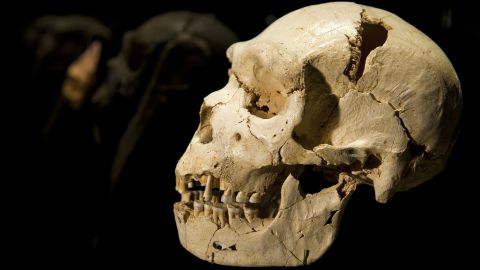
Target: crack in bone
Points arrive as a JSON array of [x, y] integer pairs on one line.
[[285, 247], [402, 123]]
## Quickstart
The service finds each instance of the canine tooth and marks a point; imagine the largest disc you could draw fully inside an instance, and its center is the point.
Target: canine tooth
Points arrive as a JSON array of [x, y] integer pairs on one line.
[[197, 208], [241, 197], [207, 195], [186, 196], [250, 214], [227, 196], [256, 197], [207, 209]]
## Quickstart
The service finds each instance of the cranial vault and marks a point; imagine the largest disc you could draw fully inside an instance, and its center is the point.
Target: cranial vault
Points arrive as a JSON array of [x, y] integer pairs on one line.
[[348, 93]]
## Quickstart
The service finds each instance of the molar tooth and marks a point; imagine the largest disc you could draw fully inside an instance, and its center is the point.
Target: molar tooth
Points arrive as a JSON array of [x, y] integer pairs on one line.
[[256, 197], [227, 196], [219, 215], [186, 196], [250, 213], [207, 209], [234, 211], [197, 208], [241, 197], [207, 195]]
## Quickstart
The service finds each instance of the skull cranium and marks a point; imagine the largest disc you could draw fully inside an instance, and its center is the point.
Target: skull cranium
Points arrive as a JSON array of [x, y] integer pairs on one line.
[[353, 92]]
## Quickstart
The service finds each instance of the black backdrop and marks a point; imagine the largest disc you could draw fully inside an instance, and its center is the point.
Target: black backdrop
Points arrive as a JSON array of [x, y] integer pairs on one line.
[[433, 225]]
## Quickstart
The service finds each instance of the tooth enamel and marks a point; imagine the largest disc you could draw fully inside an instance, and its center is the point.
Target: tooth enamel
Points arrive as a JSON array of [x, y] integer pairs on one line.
[[250, 213], [256, 197], [191, 184], [186, 196], [241, 197], [207, 209], [197, 208], [207, 195], [227, 196]]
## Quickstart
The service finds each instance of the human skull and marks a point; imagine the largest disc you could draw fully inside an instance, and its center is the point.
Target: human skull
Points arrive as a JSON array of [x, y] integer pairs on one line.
[[349, 91], [174, 52]]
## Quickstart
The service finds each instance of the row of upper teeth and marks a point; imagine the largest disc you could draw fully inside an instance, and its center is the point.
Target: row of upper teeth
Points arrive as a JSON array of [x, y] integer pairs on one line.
[[214, 196]]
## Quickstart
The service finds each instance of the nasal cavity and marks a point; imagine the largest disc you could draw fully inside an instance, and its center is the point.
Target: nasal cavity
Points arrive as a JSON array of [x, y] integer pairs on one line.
[[373, 35], [205, 129]]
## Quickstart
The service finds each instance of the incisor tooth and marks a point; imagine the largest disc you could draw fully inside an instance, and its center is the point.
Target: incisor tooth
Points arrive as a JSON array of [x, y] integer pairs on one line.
[[256, 197], [181, 185], [186, 196], [227, 196], [241, 197], [197, 208]]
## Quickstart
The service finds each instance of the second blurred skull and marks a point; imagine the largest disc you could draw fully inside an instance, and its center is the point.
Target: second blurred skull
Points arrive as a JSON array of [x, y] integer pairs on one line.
[[170, 56]]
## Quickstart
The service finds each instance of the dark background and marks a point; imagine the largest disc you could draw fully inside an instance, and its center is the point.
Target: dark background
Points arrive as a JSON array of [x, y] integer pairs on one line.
[[433, 225]]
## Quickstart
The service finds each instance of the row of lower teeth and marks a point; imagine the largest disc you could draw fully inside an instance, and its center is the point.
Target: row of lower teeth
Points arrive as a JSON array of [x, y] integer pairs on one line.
[[223, 213]]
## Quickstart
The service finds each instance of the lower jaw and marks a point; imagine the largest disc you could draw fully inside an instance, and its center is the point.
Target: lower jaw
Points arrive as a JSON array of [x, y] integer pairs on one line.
[[300, 233]]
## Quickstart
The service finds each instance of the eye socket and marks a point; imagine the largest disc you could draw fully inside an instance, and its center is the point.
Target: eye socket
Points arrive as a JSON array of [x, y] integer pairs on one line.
[[266, 95], [265, 105]]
